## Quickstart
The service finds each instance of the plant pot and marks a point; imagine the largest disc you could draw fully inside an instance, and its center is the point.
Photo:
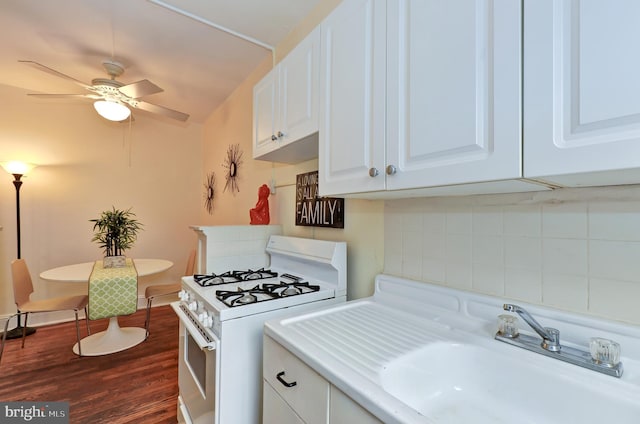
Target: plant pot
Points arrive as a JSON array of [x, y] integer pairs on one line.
[[114, 261]]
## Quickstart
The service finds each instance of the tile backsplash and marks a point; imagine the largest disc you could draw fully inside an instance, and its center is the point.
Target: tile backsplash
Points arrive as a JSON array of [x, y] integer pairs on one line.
[[571, 249]]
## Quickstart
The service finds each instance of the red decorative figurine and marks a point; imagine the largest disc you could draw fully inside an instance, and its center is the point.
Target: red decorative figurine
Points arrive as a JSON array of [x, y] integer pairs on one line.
[[260, 214]]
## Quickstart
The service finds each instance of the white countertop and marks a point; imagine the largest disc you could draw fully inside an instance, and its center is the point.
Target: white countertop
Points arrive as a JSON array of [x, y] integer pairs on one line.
[[350, 345]]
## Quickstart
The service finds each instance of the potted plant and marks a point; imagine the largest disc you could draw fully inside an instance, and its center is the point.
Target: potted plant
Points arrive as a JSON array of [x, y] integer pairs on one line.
[[115, 231]]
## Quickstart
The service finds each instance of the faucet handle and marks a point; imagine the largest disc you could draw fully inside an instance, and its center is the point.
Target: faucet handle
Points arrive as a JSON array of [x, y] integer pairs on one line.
[[508, 326], [604, 351], [552, 343]]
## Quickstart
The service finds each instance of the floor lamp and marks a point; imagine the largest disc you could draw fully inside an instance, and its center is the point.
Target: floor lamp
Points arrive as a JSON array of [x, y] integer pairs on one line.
[[18, 170]]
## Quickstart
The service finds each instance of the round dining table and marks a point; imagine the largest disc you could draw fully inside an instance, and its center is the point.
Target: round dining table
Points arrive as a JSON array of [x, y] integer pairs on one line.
[[114, 338]]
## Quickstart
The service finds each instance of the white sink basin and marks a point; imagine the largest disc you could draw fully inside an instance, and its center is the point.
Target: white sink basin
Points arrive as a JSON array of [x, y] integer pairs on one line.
[[460, 383]]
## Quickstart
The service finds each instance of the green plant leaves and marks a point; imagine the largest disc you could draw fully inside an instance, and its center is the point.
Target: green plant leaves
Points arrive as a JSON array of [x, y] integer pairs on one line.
[[115, 231]]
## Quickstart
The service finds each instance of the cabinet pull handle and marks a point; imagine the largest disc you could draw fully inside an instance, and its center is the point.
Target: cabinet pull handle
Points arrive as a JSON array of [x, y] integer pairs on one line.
[[280, 134], [391, 170], [373, 172], [282, 380], [273, 137]]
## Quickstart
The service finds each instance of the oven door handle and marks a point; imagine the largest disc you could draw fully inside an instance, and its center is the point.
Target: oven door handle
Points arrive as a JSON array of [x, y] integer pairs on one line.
[[203, 343]]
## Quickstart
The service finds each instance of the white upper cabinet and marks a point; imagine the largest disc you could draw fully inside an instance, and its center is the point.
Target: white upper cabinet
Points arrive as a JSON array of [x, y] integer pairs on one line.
[[285, 106], [352, 98], [582, 91], [453, 90], [420, 93]]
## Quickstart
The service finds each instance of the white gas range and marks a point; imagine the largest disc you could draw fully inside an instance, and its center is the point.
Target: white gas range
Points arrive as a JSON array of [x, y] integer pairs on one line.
[[222, 316]]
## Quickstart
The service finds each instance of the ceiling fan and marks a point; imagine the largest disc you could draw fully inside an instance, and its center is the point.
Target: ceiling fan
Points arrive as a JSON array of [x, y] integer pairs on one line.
[[113, 99]]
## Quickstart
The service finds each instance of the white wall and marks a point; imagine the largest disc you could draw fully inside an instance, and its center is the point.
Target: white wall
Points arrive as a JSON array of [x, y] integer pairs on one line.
[[87, 165], [571, 249], [232, 124]]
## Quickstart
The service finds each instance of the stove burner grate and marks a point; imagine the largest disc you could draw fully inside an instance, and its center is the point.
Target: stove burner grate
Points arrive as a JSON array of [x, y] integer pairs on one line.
[[243, 296], [206, 280], [266, 291], [284, 289]]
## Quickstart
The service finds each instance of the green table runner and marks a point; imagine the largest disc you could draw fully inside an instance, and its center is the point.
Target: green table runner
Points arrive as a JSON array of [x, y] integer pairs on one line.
[[113, 291]]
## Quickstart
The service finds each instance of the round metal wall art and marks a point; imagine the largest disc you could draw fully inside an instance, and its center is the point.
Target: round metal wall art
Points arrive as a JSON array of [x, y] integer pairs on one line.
[[232, 164], [209, 191]]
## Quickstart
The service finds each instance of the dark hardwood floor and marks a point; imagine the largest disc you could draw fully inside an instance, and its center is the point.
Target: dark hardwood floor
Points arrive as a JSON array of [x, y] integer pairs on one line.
[[138, 385]]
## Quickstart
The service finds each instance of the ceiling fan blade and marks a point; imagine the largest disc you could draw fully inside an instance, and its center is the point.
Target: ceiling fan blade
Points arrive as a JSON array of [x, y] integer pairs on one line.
[[139, 89], [63, 96], [161, 110], [54, 72]]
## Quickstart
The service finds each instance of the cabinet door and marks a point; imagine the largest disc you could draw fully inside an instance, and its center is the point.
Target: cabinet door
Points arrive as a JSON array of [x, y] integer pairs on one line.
[[295, 383], [275, 409], [352, 98], [265, 113], [453, 92], [299, 76], [582, 91], [344, 410]]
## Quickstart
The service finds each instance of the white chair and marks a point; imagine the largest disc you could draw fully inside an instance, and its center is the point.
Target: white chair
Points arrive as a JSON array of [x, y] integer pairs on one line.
[[22, 289], [151, 292]]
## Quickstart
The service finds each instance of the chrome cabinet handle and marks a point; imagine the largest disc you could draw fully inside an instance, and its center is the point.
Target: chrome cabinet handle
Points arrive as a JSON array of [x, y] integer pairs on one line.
[[280, 134], [282, 380], [391, 170], [273, 137], [373, 172]]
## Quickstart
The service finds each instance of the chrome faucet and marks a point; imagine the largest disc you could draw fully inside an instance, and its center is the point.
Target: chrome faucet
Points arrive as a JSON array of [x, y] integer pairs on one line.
[[551, 348], [550, 336]]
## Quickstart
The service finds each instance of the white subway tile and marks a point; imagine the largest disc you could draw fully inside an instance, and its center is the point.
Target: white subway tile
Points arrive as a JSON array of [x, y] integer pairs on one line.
[[487, 220], [393, 243], [488, 279], [458, 220], [522, 220], [488, 250], [459, 248], [393, 262], [564, 256], [523, 284], [412, 244], [412, 267], [458, 275], [614, 221], [433, 270], [568, 292], [523, 252], [434, 222], [434, 245], [615, 299], [564, 220], [412, 221], [616, 260], [392, 221]]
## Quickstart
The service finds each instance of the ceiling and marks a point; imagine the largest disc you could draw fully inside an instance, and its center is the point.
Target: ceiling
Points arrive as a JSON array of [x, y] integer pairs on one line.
[[173, 43]]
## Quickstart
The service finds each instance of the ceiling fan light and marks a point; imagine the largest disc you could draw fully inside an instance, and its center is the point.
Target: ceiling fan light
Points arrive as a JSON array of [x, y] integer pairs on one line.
[[113, 111]]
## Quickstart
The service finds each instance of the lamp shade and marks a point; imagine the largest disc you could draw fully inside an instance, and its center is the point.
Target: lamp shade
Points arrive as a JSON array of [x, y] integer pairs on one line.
[[15, 167], [113, 111]]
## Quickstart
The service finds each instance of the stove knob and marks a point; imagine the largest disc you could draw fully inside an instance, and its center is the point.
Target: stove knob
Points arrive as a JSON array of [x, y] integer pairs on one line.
[[193, 306], [209, 322]]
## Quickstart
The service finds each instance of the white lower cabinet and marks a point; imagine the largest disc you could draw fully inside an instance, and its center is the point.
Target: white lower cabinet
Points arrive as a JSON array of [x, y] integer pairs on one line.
[[293, 393], [343, 410], [275, 410], [303, 389]]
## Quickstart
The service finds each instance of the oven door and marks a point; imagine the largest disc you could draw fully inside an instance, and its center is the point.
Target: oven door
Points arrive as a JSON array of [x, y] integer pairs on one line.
[[198, 377]]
